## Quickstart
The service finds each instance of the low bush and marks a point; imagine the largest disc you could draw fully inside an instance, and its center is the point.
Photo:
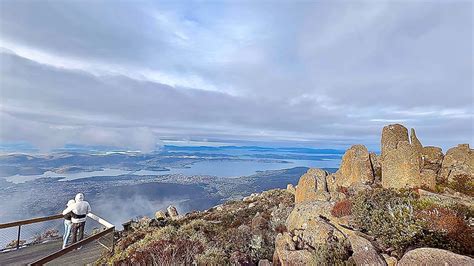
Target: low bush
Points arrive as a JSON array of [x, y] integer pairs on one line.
[[212, 256], [388, 215], [335, 252], [342, 208], [445, 228], [463, 183], [232, 234]]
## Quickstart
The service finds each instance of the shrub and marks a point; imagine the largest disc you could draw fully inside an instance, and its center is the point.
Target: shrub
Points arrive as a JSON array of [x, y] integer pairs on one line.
[[342, 208], [281, 228], [388, 215], [168, 252], [198, 226], [463, 183], [445, 228], [344, 190], [212, 256], [335, 252]]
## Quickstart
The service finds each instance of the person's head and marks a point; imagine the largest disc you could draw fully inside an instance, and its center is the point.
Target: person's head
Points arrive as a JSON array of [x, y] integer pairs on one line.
[[79, 197], [70, 202]]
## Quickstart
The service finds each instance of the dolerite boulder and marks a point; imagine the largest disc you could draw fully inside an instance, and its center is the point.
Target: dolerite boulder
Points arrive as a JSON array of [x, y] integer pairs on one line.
[[364, 251], [401, 167], [308, 228], [172, 212], [391, 135], [306, 224], [432, 158], [415, 141], [434, 257], [355, 168], [376, 166], [312, 186], [160, 215], [290, 188], [428, 179], [458, 161]]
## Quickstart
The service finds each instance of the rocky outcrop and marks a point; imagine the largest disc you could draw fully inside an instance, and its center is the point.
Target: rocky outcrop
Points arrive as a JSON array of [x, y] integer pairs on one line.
[[160, 215], [432, 158], [404, 163], [408, 164], [415, 141], [391, 135], [290, 188], [286, 253], [308, 226], [401, 166], [458, 161], [391, 261], [428, 179], [264, 263], [376, 166], [172, 212], [356, 167], [433, 256], [364, 252], [312, 186]]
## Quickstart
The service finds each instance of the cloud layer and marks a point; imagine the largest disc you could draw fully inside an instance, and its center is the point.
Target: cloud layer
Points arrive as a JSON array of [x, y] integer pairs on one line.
[[320, 74]]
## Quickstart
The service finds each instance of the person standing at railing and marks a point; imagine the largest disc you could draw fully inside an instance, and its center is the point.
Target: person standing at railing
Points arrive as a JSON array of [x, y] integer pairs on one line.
[[67, 223], [79, 213]]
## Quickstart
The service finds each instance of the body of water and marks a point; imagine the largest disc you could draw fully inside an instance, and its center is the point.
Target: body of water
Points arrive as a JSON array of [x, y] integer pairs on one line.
[[221, 168]]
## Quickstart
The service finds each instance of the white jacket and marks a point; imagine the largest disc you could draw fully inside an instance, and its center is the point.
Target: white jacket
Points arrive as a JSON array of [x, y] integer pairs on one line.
[[79, 209]]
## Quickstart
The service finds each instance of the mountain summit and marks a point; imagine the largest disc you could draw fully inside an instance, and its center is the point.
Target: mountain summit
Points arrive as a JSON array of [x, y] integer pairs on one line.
[[410, 205]]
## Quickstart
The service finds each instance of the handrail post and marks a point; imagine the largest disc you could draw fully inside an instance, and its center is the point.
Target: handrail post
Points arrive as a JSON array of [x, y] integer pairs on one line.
[[113, 241], [18, 238]]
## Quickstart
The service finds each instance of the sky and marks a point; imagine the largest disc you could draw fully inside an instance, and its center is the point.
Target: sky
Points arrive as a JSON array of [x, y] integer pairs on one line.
[[328, 74]]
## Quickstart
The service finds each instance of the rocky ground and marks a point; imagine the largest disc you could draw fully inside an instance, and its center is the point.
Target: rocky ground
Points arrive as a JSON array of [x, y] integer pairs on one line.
[[411, 205]]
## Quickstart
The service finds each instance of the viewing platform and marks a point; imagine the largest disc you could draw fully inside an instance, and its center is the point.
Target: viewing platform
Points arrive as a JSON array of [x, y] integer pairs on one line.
[[38, 241]]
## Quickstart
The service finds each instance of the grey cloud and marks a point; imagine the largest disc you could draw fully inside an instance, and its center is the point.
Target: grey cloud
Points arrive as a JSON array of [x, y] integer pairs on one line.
[[315, 72]]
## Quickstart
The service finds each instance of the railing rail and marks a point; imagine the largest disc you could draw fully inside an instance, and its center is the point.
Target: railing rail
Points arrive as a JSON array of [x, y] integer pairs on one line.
[[109, 229], [28, 221], [72, 247], [31, 221]]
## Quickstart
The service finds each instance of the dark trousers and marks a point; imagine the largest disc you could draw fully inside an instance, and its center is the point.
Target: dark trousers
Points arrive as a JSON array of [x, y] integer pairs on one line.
[[78, 231]]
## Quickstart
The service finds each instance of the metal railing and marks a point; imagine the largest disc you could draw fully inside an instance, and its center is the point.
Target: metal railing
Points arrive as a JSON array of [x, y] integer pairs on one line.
[[101, 236]]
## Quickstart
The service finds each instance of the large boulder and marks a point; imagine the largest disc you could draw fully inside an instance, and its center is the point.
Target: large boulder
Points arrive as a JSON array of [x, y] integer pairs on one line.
[[172, 212], [309, 224], [401, 167], [286, 253], [457, 161], [160, 215], [415, 141], [391, 135], [376, 166], [312, 186], [428, 179], [356, 167], [290, 188], [364, 252], [434, 257], [432, 158]]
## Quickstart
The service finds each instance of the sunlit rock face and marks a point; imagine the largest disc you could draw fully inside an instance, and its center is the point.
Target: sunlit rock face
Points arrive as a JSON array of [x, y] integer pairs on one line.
[[459, 161]]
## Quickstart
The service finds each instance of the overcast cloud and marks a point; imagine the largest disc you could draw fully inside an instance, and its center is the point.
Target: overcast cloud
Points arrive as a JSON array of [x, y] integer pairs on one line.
[[318, 74]]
